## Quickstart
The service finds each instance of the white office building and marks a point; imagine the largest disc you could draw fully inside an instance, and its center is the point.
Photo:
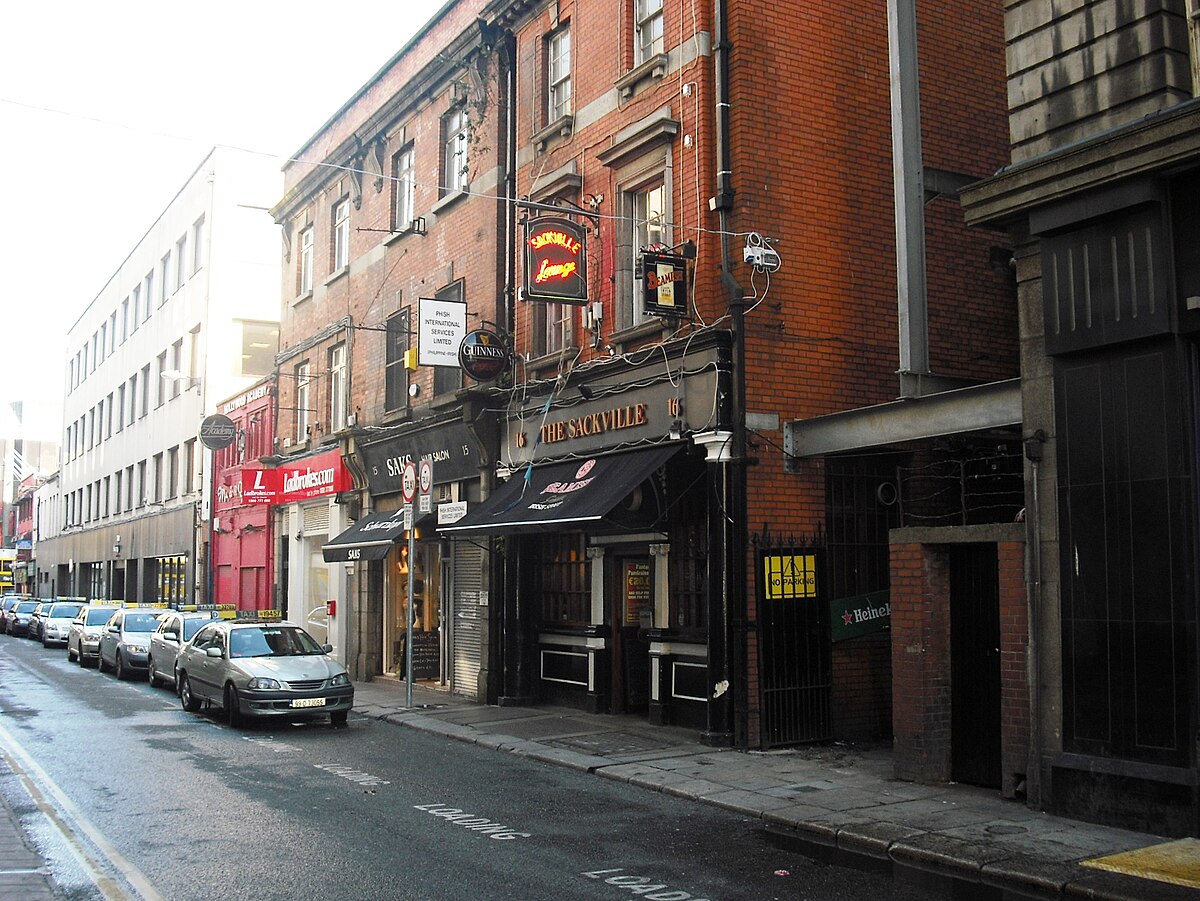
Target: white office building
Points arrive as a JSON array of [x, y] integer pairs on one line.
[[189, 317]]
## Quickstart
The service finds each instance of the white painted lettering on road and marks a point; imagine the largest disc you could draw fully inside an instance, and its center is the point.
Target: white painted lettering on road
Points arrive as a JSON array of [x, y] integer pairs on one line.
[[642, 886], [271, 744], [472, 821], [351, 774]]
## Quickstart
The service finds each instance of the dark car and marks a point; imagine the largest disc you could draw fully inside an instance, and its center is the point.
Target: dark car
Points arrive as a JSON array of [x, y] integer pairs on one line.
[[35, 621], [125, 640], [7, 603], [16, 621]]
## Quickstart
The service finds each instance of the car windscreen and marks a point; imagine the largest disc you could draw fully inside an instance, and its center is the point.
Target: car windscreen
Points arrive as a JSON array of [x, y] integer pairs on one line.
[[98, 616], [272, 641], [26, 606], [64, 611], [140, 622], [192, 626]]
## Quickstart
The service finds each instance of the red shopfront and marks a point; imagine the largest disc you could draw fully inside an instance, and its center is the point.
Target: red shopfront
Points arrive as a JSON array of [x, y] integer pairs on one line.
[[241, 540]]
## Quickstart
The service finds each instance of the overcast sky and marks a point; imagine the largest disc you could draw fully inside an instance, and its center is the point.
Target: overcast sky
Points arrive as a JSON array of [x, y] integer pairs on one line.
[[107, 108]]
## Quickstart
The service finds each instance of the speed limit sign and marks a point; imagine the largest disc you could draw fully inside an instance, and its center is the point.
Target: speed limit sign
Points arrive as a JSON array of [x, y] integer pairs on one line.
[[409, 484], [425, 504]]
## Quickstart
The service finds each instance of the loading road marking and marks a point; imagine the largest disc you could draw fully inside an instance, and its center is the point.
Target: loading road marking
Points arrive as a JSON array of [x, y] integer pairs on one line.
[[473, 822], [642, 886]]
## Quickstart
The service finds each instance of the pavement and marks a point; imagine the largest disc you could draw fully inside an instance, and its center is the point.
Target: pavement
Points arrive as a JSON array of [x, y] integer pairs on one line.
[[837, 803]]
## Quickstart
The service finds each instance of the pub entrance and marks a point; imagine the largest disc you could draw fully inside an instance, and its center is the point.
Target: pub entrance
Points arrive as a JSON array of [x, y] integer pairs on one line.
[[630, 584]]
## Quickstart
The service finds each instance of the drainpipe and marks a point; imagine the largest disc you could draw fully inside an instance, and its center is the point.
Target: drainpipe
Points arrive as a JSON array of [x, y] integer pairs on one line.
[[1034, 449], [908, 182], [726, 670]]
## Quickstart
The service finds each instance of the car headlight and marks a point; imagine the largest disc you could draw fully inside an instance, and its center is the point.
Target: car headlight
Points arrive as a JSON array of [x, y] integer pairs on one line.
[[339, 679], [136, 648], [263, 684]]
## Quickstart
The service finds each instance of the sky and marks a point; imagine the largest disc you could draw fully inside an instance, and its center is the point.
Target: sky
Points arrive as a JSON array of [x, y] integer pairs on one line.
[[107, 108]]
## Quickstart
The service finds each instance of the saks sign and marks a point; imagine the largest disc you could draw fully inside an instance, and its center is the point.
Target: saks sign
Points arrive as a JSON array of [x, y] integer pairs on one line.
[[317, 476]]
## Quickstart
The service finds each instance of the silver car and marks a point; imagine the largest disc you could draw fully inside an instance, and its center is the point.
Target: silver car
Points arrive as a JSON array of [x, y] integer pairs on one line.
[[83, 638], [56, 621], [255, 669], [125, 640], [174, 630]]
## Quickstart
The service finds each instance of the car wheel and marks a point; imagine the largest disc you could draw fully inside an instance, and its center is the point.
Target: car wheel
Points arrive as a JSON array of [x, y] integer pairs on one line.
[[233, 709], [45, 643], [151, 676], [337, 719], [122, 674], [188, 700], [100, 664], [71, 655]]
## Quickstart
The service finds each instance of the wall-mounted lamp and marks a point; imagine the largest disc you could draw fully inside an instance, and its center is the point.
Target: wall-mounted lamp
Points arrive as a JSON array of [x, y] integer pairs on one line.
[[414, 389], [299, 536], [117, 547], [585, 391], [188, 381], [676, 430]]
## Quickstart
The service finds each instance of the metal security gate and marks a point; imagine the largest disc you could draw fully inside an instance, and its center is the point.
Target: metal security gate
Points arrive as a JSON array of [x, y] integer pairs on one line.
[[465, 585], [795, 656]]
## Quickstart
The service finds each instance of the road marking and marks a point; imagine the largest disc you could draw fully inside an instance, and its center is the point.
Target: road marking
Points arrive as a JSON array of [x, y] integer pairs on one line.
[[271, 744], [473, 822], [351, 774], [39, 785], [642, 886]]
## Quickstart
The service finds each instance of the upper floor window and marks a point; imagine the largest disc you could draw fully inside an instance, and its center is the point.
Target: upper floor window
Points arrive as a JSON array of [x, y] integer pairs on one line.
[[555, 326], [164, 278], [395, 393], [404, 182], [197, 245], [338, 384], [259, 341], [558, 74], [341, 235], [302, 376], [180, 261], [160, 370], [648, 29], [306, 260], [647, 223], [454, 163], [125, 319], [147, 306]]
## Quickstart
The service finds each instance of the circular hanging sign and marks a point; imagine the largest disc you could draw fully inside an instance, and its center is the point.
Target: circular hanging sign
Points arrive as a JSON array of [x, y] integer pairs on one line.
[[217, 432], [483, 355]]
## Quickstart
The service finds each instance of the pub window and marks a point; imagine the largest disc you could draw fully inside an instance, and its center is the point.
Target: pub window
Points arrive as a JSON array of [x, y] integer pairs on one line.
[[566, 580], [687, 564]]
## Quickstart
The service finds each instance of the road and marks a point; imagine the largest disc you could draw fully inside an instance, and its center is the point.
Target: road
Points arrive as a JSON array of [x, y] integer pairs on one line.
[[145, 800]]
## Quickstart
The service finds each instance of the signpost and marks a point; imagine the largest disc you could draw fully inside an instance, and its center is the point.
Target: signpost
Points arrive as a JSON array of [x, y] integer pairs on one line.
[[217, 431], [408, 490]]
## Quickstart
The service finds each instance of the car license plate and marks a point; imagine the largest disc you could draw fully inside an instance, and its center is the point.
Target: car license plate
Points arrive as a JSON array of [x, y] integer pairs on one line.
[[308, 702]]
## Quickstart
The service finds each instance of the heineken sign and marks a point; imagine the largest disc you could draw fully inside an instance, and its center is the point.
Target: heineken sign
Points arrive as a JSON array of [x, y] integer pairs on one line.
[[860, 615], [483, 355]]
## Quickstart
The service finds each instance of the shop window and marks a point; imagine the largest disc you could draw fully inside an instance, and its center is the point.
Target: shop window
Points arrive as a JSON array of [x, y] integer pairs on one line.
[[566, 581], [688, 575]]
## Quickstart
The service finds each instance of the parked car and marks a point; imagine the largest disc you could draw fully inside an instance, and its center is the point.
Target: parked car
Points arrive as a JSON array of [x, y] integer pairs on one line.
[[9, 601], [56, 621], [34, 631], [254, 669], [125, 640], [83, 638], [16, 621], [174, 630]]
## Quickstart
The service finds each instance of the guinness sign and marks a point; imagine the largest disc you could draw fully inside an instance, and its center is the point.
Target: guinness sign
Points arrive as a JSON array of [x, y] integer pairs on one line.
[[483, 355]]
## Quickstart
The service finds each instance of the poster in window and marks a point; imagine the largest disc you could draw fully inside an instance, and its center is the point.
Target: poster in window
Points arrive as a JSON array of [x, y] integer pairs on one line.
[[638, 597]]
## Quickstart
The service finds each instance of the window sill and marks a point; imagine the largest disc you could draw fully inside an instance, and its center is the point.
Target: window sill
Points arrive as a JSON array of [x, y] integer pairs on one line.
[[653, 69], [300, 298], [552, 359], [562, 127], [340, 273], [410, 229], [630, 334], [404, 414], [448, 201]]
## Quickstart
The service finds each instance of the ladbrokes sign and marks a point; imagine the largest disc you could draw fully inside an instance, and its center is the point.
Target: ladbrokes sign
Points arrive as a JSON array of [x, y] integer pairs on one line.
[[312, 477]]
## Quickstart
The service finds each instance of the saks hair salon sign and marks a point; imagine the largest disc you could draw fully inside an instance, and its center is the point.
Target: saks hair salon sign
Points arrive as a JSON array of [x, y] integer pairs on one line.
[[311, 477]]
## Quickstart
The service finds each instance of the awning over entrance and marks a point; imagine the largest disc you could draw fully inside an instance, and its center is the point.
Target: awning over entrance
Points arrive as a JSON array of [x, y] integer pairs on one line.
[[368, 539], [580, 494]]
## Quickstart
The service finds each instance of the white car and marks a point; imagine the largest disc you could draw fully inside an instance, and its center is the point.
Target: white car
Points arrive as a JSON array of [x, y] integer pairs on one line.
[[175, 629], [83, 638], [56, 621]]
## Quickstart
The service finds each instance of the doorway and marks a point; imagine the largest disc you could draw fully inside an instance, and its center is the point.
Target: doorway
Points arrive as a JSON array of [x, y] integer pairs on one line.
[[631, 608], [975, 665]]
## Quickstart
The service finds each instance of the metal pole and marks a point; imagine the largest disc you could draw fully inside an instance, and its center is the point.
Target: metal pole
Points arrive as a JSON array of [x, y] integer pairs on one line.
[[408, 641]]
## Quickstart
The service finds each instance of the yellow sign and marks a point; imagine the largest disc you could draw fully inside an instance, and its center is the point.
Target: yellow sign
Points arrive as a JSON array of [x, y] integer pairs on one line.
[[790, 576]]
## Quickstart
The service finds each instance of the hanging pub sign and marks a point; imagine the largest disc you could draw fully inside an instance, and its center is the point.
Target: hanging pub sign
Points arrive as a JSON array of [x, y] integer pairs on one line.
[[482, 355], [664, 284], [555, 260]]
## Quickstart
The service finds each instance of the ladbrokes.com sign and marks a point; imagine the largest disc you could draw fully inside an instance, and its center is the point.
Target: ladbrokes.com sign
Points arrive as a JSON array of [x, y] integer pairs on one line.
[[312, 477]]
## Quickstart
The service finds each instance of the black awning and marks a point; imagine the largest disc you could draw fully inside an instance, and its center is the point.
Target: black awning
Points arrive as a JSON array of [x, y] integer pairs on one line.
[[580, 494], [368, 539]]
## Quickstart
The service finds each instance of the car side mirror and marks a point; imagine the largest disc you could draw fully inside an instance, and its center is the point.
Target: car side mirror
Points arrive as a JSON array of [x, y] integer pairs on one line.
[[114, 629], [214, 652], [327, 648], [171, 635]]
